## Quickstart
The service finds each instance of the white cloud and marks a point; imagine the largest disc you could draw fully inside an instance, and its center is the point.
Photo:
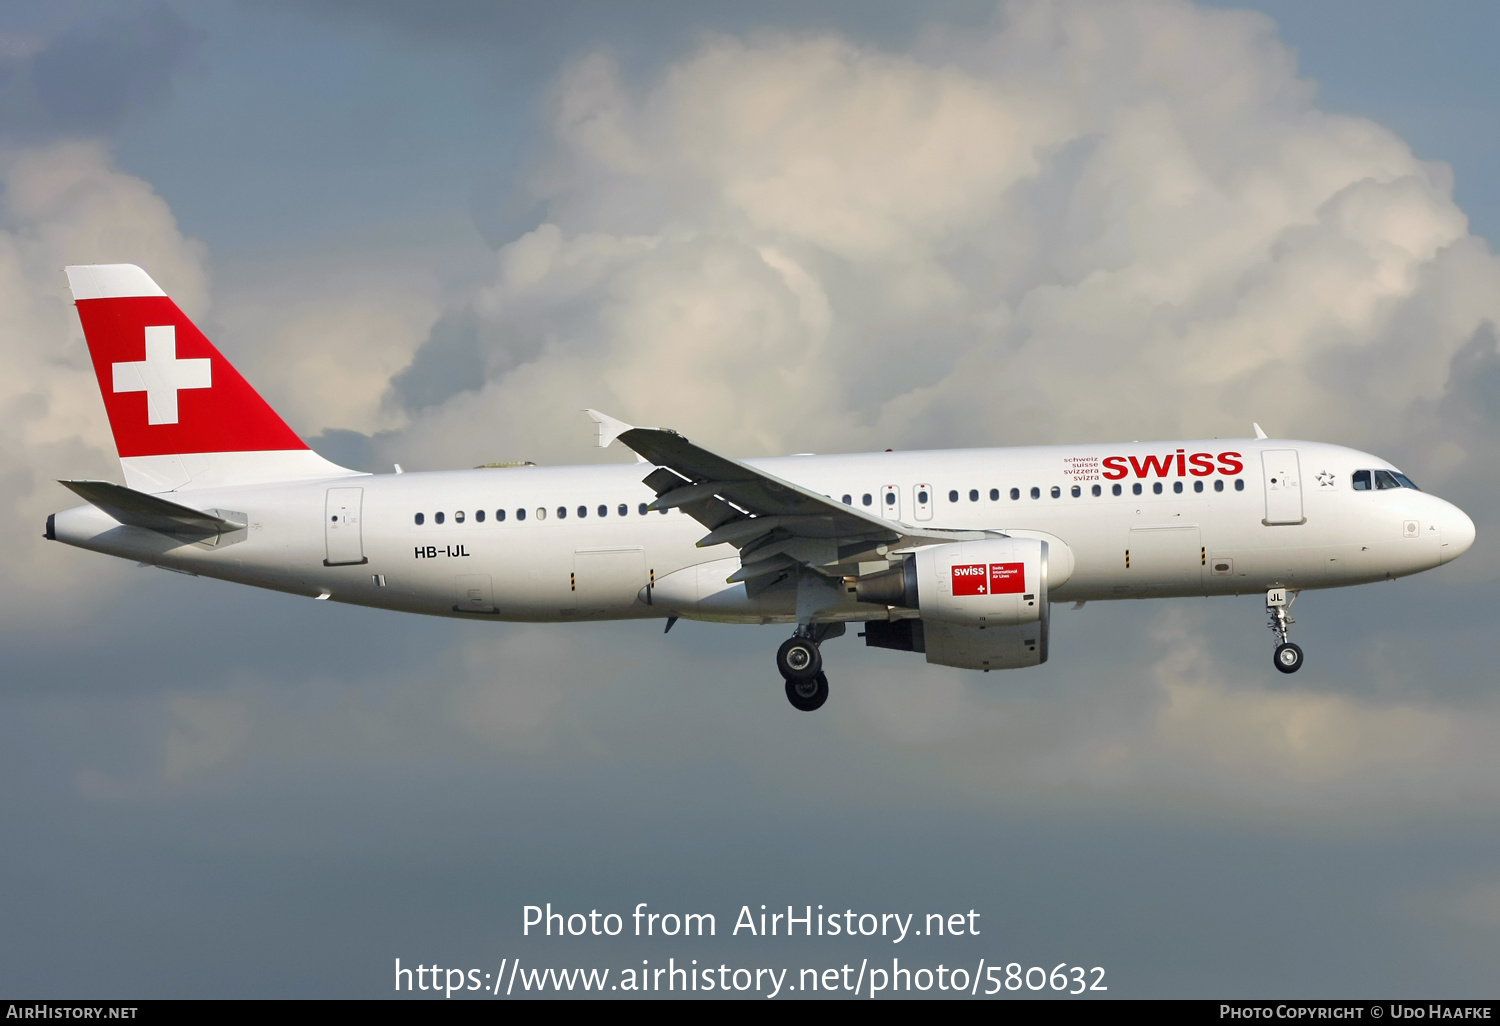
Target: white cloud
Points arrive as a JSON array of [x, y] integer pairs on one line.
[[64, 204], [1190, 730], [1092, 220]]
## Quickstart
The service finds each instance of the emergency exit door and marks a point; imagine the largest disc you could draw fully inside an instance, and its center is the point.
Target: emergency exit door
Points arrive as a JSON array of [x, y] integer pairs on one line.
[[890, 502], [342, 532]]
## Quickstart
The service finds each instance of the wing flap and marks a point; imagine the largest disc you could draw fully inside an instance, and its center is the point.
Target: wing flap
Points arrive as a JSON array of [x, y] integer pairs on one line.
[[778, 526], [727, 484]]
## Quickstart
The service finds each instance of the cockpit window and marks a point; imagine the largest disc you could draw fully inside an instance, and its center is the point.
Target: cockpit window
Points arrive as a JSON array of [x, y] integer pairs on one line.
[[1364, 480]]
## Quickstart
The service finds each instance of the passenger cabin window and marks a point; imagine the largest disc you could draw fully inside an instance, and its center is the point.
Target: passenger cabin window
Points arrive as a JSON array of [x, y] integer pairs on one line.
[[643, 509], [1115, 490], [994, 494], [890, 498], [479, 516], [419, 518], [1156, 488], [562, 512], [1056, 491], [973, 494], [1097, 491], [1219, 485], [1198, 486], [1136, 488], [1015, 493], [500, 515], [1177, 487], [623, 509], [1077, 491], [458, 517], [603, 510], [520, 514], [541, 512], [866, 499], [848, 500], [1036, 493], [583, 511], [1239, 484], [437, 518]]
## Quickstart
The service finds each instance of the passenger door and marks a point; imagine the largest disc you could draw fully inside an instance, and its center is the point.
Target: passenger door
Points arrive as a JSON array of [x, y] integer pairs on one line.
[[1282, 473], [342, 532]]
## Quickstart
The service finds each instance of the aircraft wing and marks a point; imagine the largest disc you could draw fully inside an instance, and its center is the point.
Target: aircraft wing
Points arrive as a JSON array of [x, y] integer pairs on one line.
[[152, 512], [776, 524]]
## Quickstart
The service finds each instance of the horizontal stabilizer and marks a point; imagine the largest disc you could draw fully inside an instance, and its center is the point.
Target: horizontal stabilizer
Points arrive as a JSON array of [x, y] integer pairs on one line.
[[138, 509]]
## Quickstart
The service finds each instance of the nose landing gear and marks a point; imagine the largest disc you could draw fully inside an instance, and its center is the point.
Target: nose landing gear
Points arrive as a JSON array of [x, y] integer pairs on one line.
[[800, 663], [1288, 657]]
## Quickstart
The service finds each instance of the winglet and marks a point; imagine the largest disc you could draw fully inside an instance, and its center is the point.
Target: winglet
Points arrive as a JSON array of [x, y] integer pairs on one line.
[[1258, 432], [609, 427]]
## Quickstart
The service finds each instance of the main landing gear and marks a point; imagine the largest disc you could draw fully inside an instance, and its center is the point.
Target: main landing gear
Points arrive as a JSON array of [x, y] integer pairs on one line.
[[1288, 657], [801, 665]]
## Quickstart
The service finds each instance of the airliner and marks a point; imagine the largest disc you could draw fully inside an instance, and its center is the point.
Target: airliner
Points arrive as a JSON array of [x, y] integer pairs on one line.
[[957, 554]]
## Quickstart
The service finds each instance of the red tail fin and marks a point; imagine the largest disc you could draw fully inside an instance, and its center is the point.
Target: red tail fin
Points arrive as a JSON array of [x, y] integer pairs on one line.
[[170, 394]]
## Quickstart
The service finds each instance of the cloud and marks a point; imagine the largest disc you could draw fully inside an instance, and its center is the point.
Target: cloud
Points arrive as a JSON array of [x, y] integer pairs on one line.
[[95, 73], [1187, 729], [64, 204], [1090, 220], [206, 731]]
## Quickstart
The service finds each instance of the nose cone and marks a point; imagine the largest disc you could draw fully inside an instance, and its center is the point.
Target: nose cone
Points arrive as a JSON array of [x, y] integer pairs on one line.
[[1457, 532]]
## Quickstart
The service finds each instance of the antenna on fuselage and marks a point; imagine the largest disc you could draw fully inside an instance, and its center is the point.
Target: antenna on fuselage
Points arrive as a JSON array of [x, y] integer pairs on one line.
[[1258, 432]]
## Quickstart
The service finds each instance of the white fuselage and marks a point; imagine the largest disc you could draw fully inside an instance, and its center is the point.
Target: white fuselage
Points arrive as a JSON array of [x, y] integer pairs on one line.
[[548, 566]]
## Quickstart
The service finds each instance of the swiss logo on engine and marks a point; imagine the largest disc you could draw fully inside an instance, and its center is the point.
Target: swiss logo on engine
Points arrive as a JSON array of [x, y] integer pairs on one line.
[[991, 579]]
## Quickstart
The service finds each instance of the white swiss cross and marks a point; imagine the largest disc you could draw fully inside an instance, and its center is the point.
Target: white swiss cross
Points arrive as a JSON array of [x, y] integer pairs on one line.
[[161, 374]]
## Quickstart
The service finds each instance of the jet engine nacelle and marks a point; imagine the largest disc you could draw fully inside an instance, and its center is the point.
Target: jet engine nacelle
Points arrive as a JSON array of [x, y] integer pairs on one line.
[[972, 648], [996, 582]]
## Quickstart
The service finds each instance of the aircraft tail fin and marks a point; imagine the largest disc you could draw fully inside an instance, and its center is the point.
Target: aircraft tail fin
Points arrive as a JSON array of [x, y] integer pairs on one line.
[[182, 416]]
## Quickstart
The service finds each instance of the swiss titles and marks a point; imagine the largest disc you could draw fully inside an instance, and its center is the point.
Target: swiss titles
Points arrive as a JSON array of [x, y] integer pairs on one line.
[[1174, 464]]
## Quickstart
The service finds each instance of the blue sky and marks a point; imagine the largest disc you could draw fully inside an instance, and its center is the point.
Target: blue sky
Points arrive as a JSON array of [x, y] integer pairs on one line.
[[432, 237]]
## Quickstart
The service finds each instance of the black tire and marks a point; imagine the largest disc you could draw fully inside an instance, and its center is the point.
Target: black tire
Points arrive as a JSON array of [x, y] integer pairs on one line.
[[1288, 658], [808, 695], [798, 659]]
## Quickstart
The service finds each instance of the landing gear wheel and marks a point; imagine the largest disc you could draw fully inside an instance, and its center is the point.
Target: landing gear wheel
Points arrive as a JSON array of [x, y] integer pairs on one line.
[[1288, 658], [799, 660], [808, 695]]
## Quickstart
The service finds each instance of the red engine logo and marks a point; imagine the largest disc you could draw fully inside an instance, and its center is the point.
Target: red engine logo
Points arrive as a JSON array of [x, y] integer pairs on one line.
[[1007, 578], [991, 579]]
